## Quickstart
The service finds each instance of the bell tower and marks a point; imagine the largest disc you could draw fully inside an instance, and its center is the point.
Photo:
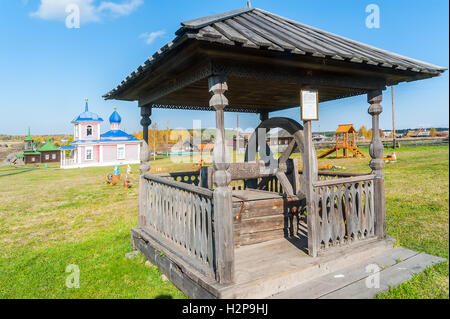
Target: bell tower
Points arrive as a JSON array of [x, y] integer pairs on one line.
[[28, 143], [87, 125]]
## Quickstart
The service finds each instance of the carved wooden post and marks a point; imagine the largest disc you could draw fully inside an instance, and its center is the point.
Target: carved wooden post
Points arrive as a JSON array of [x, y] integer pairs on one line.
[[309, 177], [263, 115], [223, 214], [377, 164], [146, 111]]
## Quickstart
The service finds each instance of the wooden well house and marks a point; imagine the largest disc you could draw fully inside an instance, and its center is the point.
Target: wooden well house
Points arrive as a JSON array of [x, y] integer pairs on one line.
[[248, 229]]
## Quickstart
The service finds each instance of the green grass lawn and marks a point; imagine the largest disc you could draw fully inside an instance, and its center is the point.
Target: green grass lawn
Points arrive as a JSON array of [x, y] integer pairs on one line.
[[50, 219]]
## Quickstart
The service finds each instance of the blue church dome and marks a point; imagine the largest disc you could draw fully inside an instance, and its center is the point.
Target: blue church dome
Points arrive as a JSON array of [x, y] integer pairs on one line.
[[87, 116], [115, 117]]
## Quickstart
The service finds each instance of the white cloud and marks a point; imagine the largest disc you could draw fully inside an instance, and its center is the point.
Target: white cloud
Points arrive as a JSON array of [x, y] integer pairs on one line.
[[149, 38], [120, 9], [89, 10]]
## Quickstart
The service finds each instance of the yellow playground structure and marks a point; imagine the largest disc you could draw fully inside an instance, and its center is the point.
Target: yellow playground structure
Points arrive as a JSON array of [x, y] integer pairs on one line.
[[345, 142]]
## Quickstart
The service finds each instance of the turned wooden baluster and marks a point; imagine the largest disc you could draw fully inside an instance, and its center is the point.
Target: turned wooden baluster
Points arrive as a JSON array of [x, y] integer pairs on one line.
[[146, 111], [376, 164], [223, 214]]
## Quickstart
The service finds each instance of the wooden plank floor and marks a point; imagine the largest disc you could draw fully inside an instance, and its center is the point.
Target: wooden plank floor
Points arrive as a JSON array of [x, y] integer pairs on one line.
[[265, 269], [394, 267]]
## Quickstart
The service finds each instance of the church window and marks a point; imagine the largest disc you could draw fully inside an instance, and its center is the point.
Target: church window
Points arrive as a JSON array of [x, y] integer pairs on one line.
[[120, 152], [89, 153]]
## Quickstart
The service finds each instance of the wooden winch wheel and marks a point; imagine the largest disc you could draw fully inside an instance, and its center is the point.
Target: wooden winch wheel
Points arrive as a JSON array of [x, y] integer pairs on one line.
[[296, 130]]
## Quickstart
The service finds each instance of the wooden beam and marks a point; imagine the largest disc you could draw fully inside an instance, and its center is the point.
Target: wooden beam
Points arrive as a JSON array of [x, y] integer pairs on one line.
[[188, 77], [309, 179], [223, 206], [144, 155], [239, 171], [376, 164], [302, 76], [345, 180], [310, 62]]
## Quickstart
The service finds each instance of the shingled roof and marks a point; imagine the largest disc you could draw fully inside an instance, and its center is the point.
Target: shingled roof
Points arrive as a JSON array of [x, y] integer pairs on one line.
[[346, 128], [261, 30]]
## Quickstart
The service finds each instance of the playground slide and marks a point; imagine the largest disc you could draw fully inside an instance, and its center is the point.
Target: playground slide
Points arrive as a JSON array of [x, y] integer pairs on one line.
[[331, 150]]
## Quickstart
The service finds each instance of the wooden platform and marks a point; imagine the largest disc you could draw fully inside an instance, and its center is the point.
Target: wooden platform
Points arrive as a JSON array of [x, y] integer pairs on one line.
[[395, 266], [281, 269], [265, 269]]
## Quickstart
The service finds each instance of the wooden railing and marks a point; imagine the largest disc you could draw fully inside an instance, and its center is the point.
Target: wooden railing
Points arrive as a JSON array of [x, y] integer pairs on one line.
[[345, 207], [192, 178], [68, 162], [180, 217]]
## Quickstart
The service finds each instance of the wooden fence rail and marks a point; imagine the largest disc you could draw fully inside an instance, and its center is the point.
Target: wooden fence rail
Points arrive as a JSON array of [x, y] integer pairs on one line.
[[192, 178], [345, 207], [273, 185], [181, 214], [180, 217]]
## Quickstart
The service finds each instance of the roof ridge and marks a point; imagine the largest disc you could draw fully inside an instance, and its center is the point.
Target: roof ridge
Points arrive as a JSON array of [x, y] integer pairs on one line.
[[208, 20]]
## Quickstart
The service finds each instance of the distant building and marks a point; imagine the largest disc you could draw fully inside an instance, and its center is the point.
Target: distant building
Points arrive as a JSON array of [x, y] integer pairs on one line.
[[281, 137], [47, 153], [319, 138], [91, 148], [422, 133], [279, 141]]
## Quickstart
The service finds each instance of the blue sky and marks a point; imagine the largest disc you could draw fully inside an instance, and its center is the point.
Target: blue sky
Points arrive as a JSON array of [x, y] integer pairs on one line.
[[47, 69]]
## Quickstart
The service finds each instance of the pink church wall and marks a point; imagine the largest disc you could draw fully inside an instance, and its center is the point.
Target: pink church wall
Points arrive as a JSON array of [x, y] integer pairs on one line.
[[132, 152], [95, 131], [109, 153], [95, 154]]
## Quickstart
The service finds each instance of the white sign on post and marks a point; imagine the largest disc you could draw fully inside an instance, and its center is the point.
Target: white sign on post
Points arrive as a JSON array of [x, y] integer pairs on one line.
[[309, 103]]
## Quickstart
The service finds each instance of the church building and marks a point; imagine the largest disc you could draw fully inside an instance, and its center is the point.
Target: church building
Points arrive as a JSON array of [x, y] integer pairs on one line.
[[91, 148]]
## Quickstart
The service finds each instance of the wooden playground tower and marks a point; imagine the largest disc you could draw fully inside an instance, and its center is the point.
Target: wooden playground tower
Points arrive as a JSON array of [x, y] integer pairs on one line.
[[253, 229], [345, 141]]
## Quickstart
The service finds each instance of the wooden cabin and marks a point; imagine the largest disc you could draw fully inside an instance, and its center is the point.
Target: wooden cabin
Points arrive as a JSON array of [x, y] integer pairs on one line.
[[49, 153], [253, 229], [345, 142]]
